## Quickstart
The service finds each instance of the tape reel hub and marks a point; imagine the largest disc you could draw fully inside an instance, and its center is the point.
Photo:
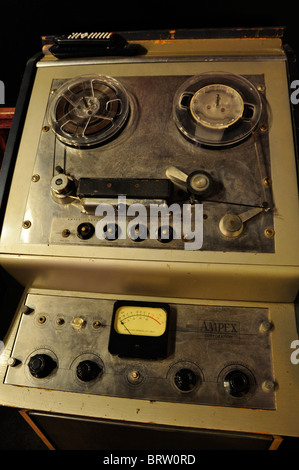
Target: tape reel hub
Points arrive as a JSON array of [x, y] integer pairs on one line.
[[87, 107], [217, 106], [88, 110], [217, 109]]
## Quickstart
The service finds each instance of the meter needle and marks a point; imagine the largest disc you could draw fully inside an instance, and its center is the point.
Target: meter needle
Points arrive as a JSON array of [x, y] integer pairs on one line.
[[126, 327]]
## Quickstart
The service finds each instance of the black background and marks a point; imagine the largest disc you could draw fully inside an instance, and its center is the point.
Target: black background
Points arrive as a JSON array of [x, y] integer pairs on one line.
[[24, 22]]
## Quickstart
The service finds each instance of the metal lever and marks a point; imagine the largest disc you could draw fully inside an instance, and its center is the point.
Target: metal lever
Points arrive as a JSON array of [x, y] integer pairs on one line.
[[177, 177], [231, 225], [198, 182]]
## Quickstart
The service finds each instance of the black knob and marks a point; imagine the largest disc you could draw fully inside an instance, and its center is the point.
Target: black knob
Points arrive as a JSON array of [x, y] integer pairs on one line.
[[165, 234], [87, 370], [41, 365], [138, 233], [85, 230], [185, 380], [111, 231], [236, 383]]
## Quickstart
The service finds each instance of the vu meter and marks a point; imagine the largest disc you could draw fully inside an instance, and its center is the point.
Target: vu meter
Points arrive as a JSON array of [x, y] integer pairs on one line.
[[139, 330], [142, 321]]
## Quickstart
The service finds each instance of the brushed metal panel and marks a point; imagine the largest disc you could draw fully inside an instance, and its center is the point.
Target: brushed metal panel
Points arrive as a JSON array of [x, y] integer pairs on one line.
[[208, 340]]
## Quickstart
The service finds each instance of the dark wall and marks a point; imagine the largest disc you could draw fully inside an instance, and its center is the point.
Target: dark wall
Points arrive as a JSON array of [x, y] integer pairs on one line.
[[24, 22]]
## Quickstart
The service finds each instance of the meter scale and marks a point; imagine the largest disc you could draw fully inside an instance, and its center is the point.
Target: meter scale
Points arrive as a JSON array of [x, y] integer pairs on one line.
[[133, 320]]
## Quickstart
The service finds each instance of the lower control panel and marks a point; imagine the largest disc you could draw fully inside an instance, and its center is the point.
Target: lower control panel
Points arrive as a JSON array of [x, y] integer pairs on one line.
[[198, 354]]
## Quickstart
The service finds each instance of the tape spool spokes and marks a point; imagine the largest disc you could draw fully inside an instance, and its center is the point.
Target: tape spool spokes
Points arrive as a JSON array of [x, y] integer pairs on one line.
[[88, 110]]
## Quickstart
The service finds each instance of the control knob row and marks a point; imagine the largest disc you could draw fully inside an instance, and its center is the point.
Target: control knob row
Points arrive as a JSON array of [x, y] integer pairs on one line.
[[235, 382], [111, 231], [42, 365]]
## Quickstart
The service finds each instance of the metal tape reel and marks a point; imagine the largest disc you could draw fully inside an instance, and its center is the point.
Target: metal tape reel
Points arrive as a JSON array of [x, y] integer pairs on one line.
[[217, 108], [88, 110]]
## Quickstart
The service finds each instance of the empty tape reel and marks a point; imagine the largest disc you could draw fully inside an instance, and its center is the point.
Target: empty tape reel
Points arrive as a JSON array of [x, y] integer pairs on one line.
[[88, 110], [216, 108]]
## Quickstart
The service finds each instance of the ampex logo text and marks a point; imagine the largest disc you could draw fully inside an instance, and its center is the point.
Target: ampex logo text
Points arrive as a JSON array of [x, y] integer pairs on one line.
[[219, 329], [2, 93]]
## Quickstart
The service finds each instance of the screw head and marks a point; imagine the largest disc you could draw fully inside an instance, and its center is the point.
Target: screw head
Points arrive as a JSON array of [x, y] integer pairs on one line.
[[26, 224], [269, 385], [35, 178], [135, 375], [66, 233], [269, 232], [267, 181], [266, 326]]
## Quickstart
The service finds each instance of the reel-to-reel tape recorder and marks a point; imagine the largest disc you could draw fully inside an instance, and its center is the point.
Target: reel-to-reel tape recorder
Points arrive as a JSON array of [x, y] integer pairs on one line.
[[164, 183]]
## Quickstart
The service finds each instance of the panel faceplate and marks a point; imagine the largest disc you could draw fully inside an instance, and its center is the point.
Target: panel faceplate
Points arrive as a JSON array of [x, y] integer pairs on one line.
[[217, 355]]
